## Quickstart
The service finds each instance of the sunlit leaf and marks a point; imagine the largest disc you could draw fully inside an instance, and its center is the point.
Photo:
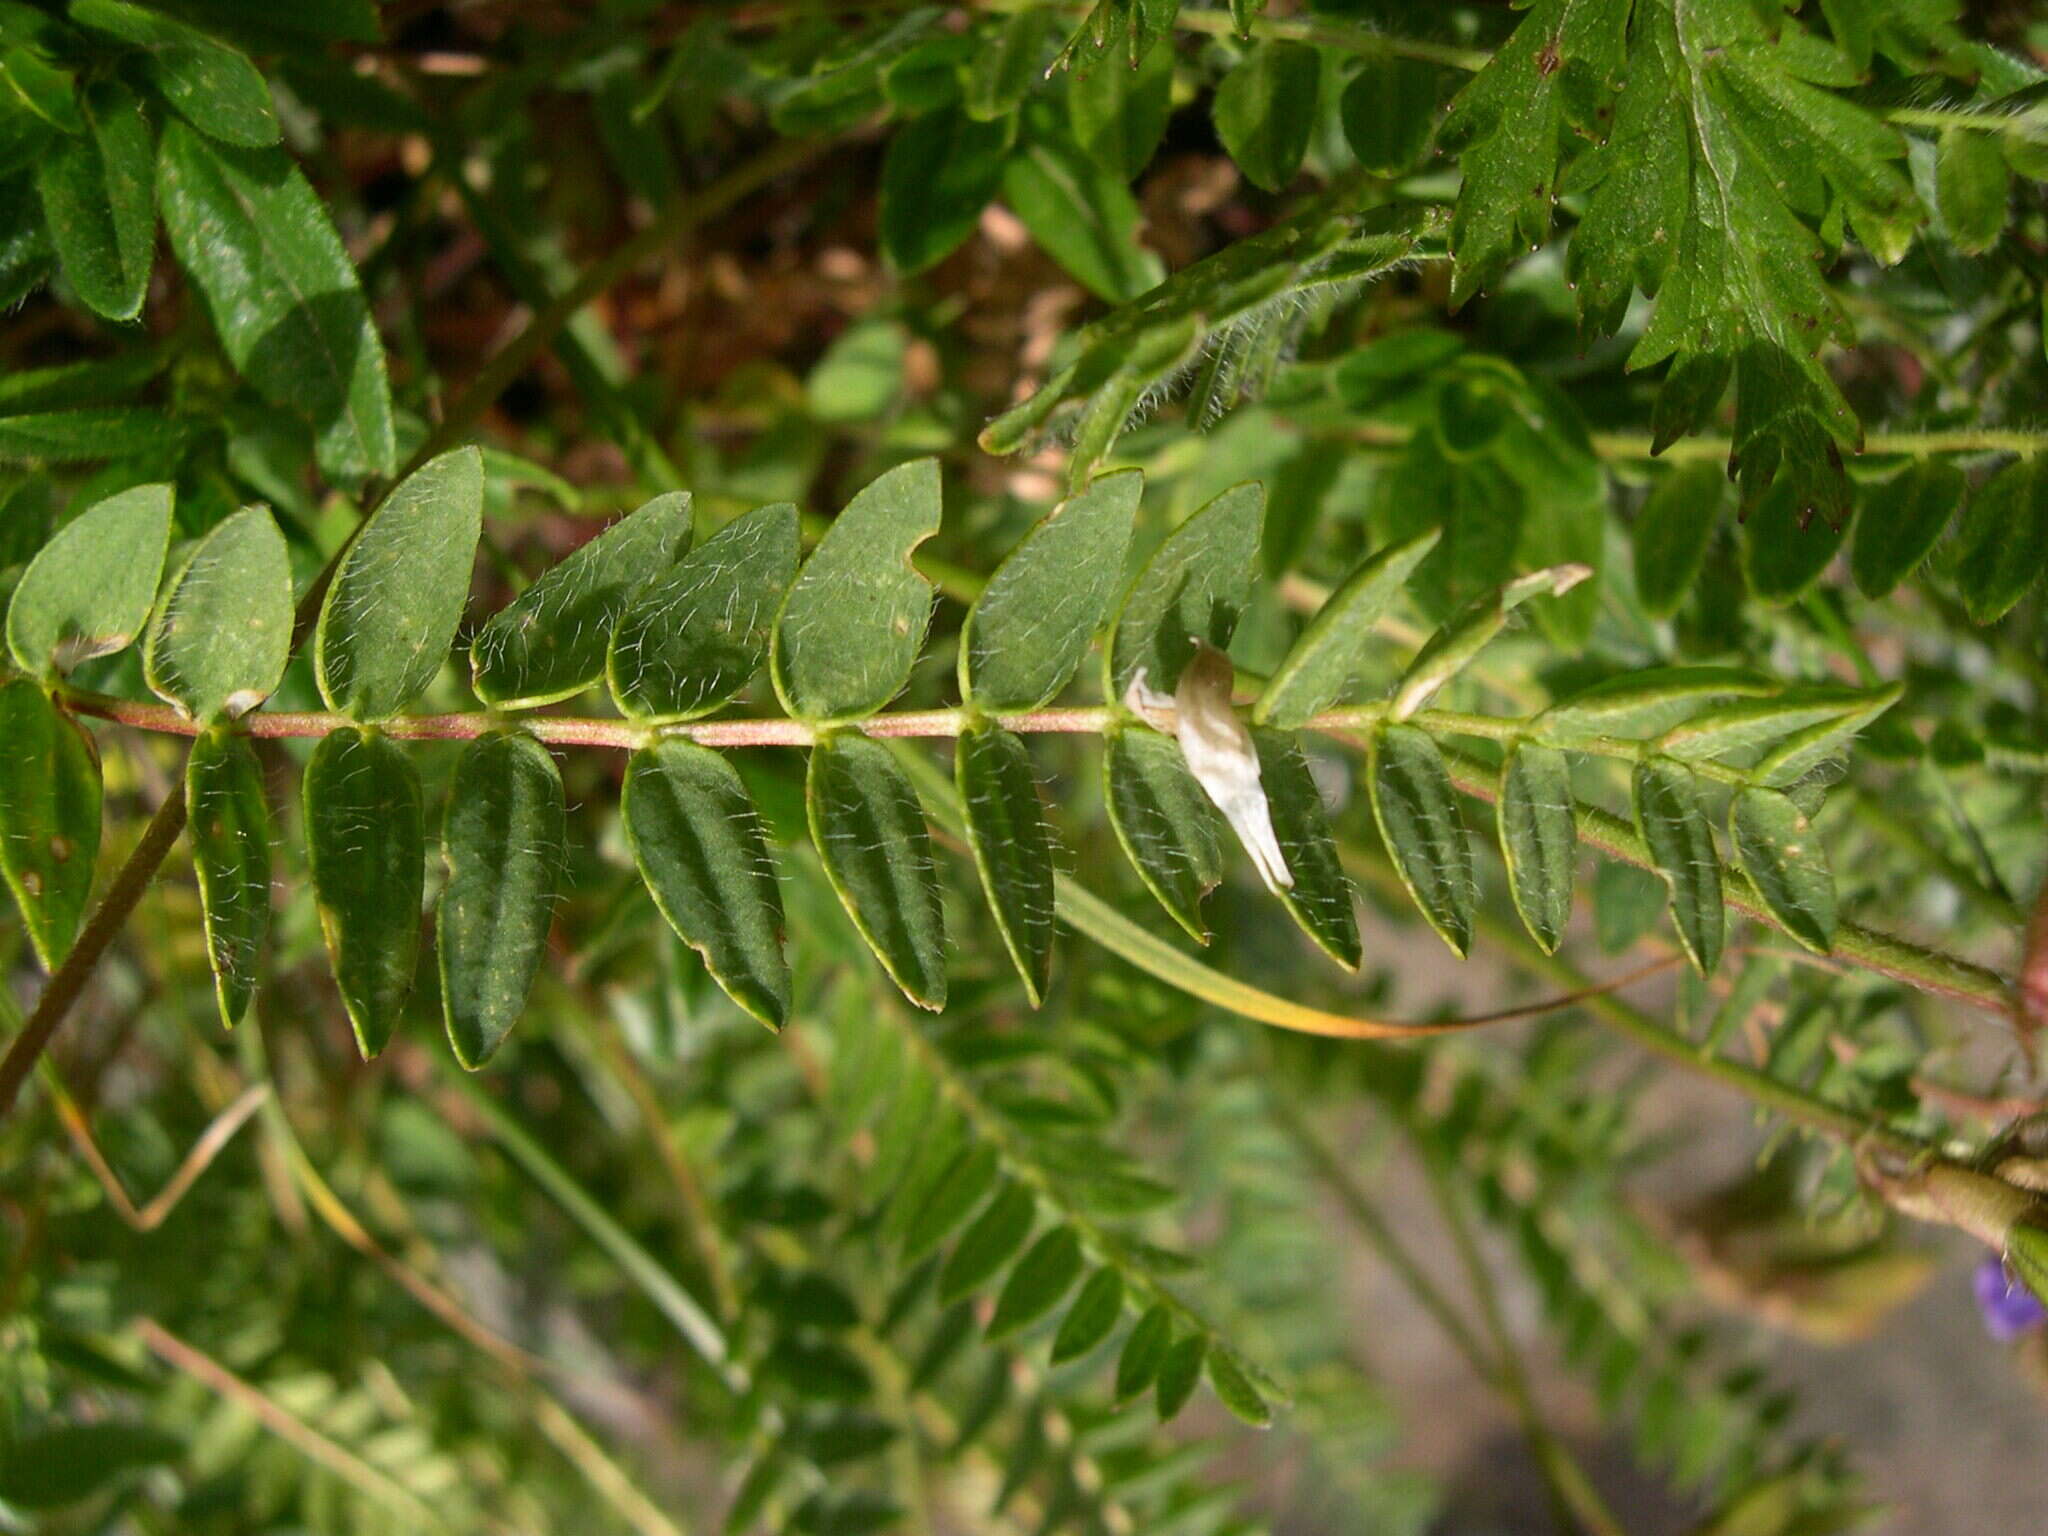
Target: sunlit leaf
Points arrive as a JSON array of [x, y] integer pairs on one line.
[[1323, 664], [1321, 899], [209, 84], [88, 591], [1671, 816], [1539, 838], [228, 817], [870, 832], [1192, 590], [1012, 845], [222, 633], [1781, 852], [1417, 812], [1166, 824]]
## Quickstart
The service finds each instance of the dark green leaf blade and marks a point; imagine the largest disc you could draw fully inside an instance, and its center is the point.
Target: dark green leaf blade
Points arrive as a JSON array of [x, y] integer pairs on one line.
[[1784, 551], [397, 596], [504, 839], [551, 641], [1781, 852], [1389, 113], [1323, 663], [88, 591], [1137, 1367], [1012, 845], [1265, 111], [1671, 816], [1044, 1275], [222, 634], [229, 820], [1235, 1391], [1900, 522], [699, 845], [1082, 216], [1118, 114], [366, 846], [1672, 533], [1168, 828], [950, 1201], [1193, 588], [870, 832], [2002, 546], [209, 84], [1320, 901], [1089, 1320], [65, 1463], [995, 1238], [1417, 812], [1971, 183], [1539, 837], [99, 202], [49, 816], [940, 171], [1180, 1372]]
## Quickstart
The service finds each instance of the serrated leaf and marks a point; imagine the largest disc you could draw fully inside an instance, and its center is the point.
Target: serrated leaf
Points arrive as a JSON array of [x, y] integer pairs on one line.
[[1089, 1320], [1784, 553], [855, 618], [984, 1248], [1046, 1273], [1235, 1391], [1389, 113], [1971, 183], [366, 847], [1118, 114], [397, 596], [1030, 628], [699, 846], [1416, 810], [49, 816], [1321, 667], [1465, 634], [1137, 1367], [950, 1201], [88, 591], [1192, 590], [1265, 111], [212, 86], [1320, 901], [257, 241], [871, 835], [1646, 703], [1671, 535], [505, 841], [1180, 1372], [1781, 852], [1742, 727], [1671, 816], [940, 171], [1900, 522], [1012, 845], [2002, 545], [696, 634], [222, 633], [1539, 838], [228, 817], [99, 202], [551, 641], [1081, 215], [1165, 822]]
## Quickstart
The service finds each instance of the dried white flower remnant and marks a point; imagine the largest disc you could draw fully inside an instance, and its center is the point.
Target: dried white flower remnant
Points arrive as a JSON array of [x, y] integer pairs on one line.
[[1219, 753]]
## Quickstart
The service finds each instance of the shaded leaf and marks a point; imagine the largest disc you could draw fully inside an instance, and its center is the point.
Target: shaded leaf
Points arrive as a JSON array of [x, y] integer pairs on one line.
[[1118, 114], [1191, 591], [1783, 550], [1389, 112], [1465, 634], [2002, 545], [1971, 184], [994, 1239], [1137, 1367], [63, 1464], [1539, 838], [209, 84], [1265, 111], [1648, 702], [1180, 1372], [1671, 815], [1323, 664], [1008, 64], [228, 822], [1082, 216], [222, 634], [1900, 522], [1320, 900], [1417, 812], [1012, 845], [1089, 1320], [1671, 535], [1781, 852], [88, 591], [940, 171], [1044, 1275], [49, 816], [950, 1201], [1167, 825], [870, 833], [99, 202]]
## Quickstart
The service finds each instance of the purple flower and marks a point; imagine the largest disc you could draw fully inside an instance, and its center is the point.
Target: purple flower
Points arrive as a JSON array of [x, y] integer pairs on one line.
[[2009, 1308]]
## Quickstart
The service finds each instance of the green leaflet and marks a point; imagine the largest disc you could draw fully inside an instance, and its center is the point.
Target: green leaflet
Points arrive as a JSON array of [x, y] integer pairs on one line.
[[1671, 817], [1192, 589], [1389, 113], [1783, 549], [1009, 63], [963, 1185], [860, 375], [1781, 852], [209, 84], [1265, 111], [87, 592], [1180, 1372], [223, 631], [78, 437], [1323, 663], [256, 240], [504, 838], [1168, 828], [1799, 754], [1971, 185], [49, 816], [1235, 1391], [1671, 535], [229, 827], [1045, 1274], [397, 595], [1646, 703], [551, 641], [855, 618], [870, 832], [1900, 522], [1320, 900], [62, 1464], [940, 171], [698, 842], [2002, 545], [1417, 812], [1465, 634], [1137, 1366], [99, 202], [693, 636], [1089, 1320], [1745, 726], [994, 1239], [1012, 845], [1030, 628], [1539, 837], [366, 845], [1118, 114], [1081, 215]]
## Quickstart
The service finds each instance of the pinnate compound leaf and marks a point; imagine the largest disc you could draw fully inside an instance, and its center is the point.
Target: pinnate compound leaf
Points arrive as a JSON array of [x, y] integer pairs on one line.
[[1012, 845], [1044, 1275], [1320, 901], [551, 641], [1781, 852], [1030, 628], [1900, 522], [855, 618], [871, 835], [1671, 815], [210, 85], [99, 202], [1167, 825], [255, 238], [700, 849], [697, 633], [49, 816], [88, 591], [1089, 1320], [1324, 662], [1180, 1372], [366, 846], [1539, 837], [229, 821], [220, 638], [1265, 111], [397, 595], [1672, 533], [1416, 809], [995, 1238], [505, 841], [2002, 546], [1192, 590]]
